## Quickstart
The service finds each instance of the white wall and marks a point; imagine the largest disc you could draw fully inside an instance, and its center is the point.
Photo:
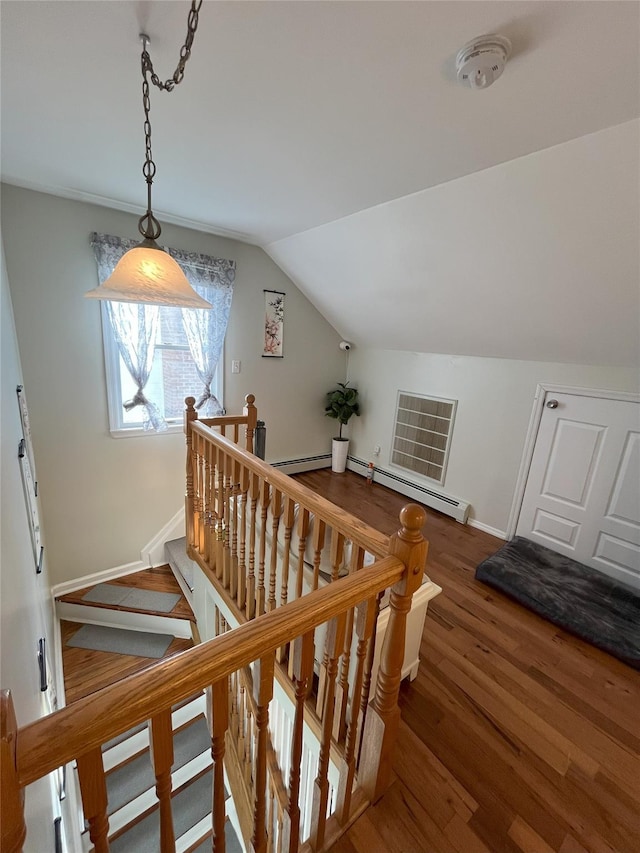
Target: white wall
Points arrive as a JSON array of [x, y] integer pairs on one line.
[[536, 258], [25, 609], [495, 399], [104, 498]]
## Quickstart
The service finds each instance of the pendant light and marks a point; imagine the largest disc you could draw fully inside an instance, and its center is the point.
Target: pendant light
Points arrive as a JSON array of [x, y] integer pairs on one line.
[[147, 273]]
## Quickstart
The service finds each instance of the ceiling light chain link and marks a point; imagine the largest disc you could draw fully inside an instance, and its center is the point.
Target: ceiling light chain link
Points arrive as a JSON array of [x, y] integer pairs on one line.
[[148, 225]]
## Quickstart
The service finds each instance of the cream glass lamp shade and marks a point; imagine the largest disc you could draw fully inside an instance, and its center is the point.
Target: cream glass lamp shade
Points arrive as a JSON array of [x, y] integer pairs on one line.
[[148, 274]]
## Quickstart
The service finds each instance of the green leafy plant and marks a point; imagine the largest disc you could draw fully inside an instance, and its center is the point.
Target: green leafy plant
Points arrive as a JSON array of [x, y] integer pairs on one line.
[[342, 404]]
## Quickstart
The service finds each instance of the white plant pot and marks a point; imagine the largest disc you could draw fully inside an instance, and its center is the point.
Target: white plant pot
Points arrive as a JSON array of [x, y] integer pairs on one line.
[[339, 450]]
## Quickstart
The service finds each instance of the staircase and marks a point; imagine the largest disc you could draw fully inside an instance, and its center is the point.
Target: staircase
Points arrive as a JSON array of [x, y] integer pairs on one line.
[[134, 823]]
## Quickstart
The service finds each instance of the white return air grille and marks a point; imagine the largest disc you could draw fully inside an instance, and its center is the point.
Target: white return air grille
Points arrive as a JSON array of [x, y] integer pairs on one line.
[[422, 435]]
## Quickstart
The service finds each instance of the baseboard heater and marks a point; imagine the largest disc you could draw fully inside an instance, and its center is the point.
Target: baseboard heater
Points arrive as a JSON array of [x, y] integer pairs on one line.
[[453, 507], [446, 504], [305, 463]]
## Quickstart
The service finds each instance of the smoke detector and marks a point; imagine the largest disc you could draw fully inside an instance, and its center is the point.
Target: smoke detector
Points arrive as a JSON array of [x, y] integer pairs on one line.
[[481, 61]]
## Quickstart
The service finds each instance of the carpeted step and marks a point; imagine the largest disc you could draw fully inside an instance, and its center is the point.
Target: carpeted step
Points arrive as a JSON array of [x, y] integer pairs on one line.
[[133, 778], [190, 805], [176, 554], [579, 599], [231, 839]]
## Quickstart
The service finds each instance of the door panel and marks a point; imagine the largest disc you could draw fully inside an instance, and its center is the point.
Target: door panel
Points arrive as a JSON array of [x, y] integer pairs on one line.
[[582, 496]]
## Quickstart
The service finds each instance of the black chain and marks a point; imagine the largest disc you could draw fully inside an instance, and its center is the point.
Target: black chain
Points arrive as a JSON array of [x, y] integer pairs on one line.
[[148, 225]]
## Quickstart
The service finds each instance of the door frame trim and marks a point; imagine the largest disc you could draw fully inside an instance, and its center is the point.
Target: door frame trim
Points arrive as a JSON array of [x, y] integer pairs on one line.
[[542, 389]]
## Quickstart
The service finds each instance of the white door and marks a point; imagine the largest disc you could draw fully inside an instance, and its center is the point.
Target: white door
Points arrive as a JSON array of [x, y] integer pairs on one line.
[[582, 496]]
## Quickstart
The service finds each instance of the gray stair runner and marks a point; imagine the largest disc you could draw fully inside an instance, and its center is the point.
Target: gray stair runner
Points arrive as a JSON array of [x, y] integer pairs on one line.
[[176, 554], [128, 781], [190, 806]]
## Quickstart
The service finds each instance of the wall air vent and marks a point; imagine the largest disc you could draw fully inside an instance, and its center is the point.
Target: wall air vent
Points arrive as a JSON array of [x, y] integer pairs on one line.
[[422, 434]]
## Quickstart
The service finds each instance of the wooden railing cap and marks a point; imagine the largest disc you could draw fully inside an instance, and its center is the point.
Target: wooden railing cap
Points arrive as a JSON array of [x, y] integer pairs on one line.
[[412, 518]]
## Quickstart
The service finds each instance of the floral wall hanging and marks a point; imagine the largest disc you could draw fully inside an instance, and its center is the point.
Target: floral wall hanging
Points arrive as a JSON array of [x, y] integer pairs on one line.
[[273, 324]]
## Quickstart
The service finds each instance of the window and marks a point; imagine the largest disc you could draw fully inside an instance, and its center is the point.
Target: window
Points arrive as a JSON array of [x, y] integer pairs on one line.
[[156, 356], [422, 434], [173, 377]]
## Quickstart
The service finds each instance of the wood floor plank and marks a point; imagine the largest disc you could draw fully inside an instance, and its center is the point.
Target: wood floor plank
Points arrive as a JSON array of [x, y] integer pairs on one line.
[[575, 704]]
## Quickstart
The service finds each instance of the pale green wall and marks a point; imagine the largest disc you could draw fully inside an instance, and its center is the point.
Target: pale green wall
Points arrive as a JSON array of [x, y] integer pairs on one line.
[[105, 498], [495, 399]]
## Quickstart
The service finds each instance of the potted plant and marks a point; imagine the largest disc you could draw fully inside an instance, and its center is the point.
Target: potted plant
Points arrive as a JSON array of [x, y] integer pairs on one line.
[[342, 404]]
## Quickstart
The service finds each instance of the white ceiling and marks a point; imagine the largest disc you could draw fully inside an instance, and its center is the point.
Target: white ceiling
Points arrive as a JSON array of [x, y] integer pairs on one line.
[[295, 115]]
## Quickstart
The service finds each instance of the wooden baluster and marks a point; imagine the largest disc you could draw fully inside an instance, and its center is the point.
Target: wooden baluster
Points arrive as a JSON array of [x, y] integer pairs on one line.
[[208, 504], [276, 512], [289, 517], [366, 682], [236, 433], [235, 491], [271, 817], [190, 415], [220, 531], [228, 468], [342, 688], [200, 530], [251, 413], [335, 644], [383, 716], [242, 556], [242, 723], [262, 693], [161, 748], [303, 532], [233, 705], [365, 623], [319, 528], [13, 829], [265, 498], [219, 724], [336, 555], [302, 662], [249, 748], [254, 491], [93, 789]]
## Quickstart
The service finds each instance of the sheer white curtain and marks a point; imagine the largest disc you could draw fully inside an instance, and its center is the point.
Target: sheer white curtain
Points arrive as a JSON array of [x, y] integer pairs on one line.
[[205, 329], [135, 328]]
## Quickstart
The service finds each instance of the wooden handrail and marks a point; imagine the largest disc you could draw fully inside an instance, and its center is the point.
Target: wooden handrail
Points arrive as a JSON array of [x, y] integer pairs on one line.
[[50, 742], [345, 523]]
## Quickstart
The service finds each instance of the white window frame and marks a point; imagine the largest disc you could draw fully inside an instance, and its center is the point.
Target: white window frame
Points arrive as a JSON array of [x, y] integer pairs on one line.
[[117, 427]]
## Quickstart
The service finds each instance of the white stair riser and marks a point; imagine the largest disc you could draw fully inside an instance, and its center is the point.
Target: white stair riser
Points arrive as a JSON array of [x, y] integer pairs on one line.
[[123, 619]]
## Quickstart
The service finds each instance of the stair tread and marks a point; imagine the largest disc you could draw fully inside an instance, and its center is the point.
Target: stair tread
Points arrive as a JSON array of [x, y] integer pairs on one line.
[[190, 806], [176, 552], [156, 579], [130, 780], [232, 844]]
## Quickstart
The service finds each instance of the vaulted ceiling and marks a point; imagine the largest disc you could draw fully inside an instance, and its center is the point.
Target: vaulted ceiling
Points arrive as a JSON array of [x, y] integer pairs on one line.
[[335, 135]]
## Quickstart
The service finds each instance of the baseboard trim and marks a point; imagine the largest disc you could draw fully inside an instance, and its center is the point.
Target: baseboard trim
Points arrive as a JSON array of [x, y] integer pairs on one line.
[[153, 551], [486, 528], [98, 577], [305, 463]]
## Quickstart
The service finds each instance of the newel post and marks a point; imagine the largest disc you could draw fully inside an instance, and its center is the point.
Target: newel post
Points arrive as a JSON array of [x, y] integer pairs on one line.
[[190, 415], [383, 715], [14, 829], [251, 413]]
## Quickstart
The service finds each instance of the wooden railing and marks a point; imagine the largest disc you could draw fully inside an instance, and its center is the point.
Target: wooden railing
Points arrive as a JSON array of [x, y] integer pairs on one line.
[[312, 645], [78, 731]]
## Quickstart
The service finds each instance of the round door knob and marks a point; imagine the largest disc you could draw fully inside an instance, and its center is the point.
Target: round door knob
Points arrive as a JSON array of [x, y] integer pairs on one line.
[[552, 404]]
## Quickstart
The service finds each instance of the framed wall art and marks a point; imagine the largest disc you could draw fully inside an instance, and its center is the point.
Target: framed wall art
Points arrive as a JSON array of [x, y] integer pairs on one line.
[[273, 324]]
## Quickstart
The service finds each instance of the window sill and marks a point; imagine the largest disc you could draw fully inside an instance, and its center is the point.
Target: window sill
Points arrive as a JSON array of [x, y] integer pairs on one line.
[[138, 432]]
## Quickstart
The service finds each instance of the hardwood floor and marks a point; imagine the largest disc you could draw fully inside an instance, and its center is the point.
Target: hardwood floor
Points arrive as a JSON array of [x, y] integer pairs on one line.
[[516, 736]]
